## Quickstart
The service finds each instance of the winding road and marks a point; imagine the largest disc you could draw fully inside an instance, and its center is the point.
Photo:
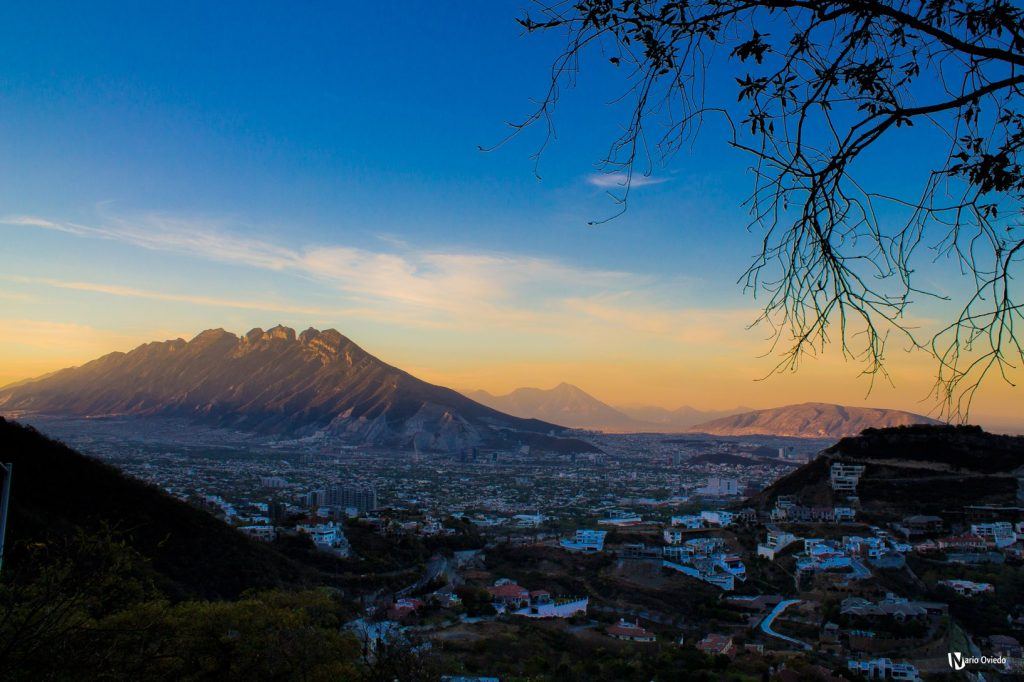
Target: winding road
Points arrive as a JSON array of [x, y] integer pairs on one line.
[[766, 624]]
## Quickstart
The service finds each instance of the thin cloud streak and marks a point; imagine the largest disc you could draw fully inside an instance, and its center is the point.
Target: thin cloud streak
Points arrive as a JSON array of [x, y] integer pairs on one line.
[[433, 289], [209, 301], [449, 284], [619, 180]]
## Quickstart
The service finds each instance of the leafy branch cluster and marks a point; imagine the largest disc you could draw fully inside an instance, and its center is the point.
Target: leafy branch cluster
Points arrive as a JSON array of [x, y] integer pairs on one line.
[[821, 86]]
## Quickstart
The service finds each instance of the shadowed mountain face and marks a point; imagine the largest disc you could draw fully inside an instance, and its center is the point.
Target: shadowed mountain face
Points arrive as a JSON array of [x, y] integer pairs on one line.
[[277, 382], [810, 420]]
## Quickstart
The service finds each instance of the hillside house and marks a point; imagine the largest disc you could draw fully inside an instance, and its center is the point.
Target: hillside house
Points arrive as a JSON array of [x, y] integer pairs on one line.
[[717, 645], [585, 541], [630, 632], [844, 477], [967, 588], [968, 542], [776, 541], [691, 521], [999, 533], [885, 669], [919, 525]]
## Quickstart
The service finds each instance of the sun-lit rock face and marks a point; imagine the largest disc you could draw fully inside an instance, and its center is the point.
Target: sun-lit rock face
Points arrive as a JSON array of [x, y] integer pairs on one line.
[[273, 381], [810, 420]]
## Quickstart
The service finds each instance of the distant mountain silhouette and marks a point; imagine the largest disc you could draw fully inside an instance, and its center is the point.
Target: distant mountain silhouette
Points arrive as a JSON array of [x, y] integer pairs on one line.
[[677, 420], [277, 382], [572, 406], [564, 404], [810, 420]]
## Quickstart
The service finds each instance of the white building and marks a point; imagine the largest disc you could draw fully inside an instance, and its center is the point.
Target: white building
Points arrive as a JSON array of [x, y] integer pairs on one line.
[[1000, 533], [691, 521], [621, 519], [585, 540], [844, 514], [967, 588], [885, 669], [718, 518], [541, 607], [258, 532], [326, 536], [720, 487], [776, 541], [844, 477], [529, 520]]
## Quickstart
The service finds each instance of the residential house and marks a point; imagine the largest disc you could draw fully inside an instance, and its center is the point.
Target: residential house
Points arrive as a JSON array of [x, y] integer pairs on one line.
[[919, 525], [631, 632], [715, 644], [718, 518], [586, 541], [967, 588], [967, 542], [844, 477], [999, 533], [885, 669], [776, 541], [691, 521]]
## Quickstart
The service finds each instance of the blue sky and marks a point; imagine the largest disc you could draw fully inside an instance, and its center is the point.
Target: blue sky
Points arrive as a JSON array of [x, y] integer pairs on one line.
[[173, 167], [322, 123]]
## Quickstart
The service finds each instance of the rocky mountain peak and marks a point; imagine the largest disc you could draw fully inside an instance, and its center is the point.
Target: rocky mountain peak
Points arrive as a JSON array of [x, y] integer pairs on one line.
[[280, 332], [211, 336], [272, 382]]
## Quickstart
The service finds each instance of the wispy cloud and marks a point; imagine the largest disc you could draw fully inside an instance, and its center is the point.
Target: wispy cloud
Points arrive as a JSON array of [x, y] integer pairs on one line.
[[620, 180], [452, 289], [313, 313], [427, 286]]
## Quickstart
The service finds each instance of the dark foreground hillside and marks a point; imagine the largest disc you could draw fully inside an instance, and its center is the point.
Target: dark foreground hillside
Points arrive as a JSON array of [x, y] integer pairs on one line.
[[912, 470], [57, 492]]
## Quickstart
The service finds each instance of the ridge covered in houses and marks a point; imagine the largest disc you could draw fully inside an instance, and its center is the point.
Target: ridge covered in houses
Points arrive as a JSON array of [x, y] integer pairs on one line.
[[601, 547]]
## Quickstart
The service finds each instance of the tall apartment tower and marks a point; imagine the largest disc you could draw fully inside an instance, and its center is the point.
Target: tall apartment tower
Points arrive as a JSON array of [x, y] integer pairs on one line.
[[362, 498]]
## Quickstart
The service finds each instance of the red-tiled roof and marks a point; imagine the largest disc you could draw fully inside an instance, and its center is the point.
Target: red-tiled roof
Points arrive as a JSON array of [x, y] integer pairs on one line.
[[622, 629], [715, 642], [509, 591]]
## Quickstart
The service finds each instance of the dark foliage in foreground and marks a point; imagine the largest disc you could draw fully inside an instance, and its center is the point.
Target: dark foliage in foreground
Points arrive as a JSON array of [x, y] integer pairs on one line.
[[961, 447], [58, 492]]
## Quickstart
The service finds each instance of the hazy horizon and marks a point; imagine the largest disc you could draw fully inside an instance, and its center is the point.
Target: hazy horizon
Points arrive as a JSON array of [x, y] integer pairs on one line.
[[1008, 426]]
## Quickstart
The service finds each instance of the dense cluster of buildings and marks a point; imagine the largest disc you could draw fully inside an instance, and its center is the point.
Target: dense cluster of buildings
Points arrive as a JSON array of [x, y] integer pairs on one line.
[[657, 517]]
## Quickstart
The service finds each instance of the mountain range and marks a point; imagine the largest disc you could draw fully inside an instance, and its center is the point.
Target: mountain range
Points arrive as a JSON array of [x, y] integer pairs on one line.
[[280, 383], [277, 382], [572, 406], [810, 420]]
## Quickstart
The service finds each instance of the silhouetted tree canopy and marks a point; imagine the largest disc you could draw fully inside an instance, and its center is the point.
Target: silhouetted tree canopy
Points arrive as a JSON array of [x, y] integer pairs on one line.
[[820, 88]]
